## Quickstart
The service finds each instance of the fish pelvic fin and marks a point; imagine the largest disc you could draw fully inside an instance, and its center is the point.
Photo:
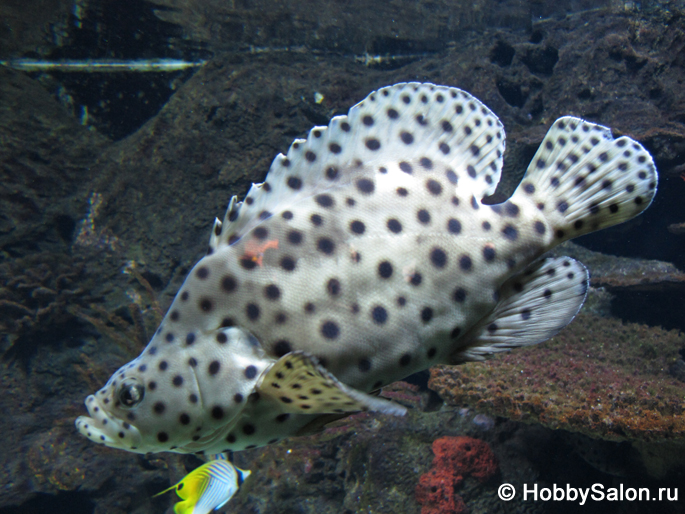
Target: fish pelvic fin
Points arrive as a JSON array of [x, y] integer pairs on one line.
[[584, 180]]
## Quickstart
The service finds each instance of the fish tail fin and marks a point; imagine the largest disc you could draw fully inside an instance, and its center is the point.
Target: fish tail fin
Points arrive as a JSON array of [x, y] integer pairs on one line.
[[584, 180], [534, 305]]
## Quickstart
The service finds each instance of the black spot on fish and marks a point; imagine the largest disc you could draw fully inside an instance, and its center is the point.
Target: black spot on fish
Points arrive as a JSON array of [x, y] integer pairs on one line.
[[331, 173], [379, 314], [365, 185], [295, 237], [229, 284], [357, 227], [260, 233], [330, 330], [294, 183], [373, 144], [453, 226], [423, 216], [406, 167], [510, 232], [325, 200], [325, 245], [434, 187], [385, 269], [333, 287], [364, 365], [206, 305], [272, 292], [214, 367], [252, 311], [282, 347], [438, 257], [288, 263], [394, 226], [459, 295]]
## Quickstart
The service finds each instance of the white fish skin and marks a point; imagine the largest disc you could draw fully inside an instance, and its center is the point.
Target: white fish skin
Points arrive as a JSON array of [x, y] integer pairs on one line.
[[365, 256]]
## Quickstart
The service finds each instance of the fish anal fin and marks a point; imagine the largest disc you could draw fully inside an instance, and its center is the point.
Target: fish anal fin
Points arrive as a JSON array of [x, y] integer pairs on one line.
[[301, 385], [534, 305]]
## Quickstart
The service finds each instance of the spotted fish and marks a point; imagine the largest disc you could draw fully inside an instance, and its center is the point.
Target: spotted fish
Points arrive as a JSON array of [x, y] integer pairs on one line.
[[366, 255]]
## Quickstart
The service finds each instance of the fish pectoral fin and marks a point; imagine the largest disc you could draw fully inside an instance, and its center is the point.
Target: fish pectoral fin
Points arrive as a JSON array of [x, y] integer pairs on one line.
[[534, 305], [208, 487], [302, 386]]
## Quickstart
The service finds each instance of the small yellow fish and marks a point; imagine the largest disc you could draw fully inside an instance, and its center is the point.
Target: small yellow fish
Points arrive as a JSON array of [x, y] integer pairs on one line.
[[208, 487]]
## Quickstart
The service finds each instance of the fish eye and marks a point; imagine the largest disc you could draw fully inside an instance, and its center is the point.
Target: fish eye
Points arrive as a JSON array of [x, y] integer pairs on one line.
[[130, 393]]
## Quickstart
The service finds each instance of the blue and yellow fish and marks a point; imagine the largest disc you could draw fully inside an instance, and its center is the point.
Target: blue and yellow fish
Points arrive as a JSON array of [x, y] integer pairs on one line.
[[208, 487]]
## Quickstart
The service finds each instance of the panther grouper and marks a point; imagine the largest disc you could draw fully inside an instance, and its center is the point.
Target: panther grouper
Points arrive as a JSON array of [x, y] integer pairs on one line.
[[366, 255]]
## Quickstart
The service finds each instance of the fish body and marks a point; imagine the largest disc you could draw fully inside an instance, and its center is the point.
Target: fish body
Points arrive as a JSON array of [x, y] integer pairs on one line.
[[101, 65], [208, 487], [367, 255]]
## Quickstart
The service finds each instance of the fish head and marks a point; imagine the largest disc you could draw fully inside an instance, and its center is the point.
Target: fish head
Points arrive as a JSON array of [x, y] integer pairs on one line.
[[177, 396]]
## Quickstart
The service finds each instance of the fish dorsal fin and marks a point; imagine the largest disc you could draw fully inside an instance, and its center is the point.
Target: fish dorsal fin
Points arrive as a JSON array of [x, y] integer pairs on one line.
[[413, 127], [301, 385]]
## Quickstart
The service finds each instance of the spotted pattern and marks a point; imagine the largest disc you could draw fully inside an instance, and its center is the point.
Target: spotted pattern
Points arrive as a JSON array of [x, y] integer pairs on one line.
[[429, 257]]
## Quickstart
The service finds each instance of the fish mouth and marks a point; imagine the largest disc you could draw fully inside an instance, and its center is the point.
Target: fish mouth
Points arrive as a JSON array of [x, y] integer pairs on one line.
[[104, 428]]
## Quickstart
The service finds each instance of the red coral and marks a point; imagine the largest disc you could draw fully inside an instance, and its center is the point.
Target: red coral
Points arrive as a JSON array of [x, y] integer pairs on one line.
[[455, 458]]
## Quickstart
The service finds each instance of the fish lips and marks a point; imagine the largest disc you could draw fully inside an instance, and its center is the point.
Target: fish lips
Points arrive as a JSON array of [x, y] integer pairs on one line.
[[103, 427]]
